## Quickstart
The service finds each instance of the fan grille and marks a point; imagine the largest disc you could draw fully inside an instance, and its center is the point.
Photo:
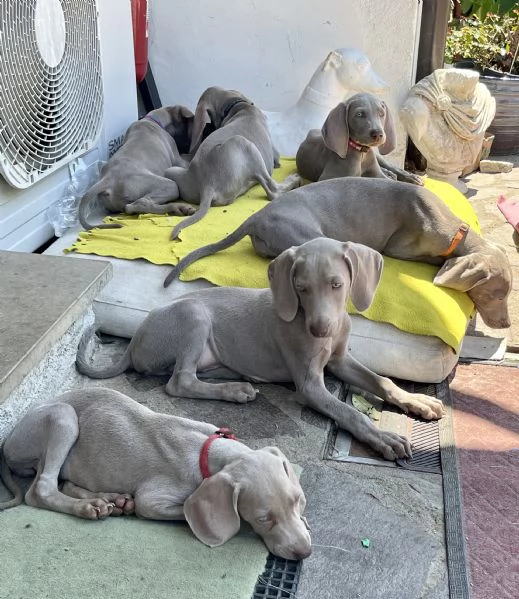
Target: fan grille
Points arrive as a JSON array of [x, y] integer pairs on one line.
[[51, 97]]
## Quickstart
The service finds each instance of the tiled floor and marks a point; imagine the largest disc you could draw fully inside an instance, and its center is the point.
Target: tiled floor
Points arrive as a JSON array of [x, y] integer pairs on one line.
[[486, 426]]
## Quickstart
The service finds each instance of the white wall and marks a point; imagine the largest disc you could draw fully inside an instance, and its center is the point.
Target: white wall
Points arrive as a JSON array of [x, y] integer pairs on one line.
[[268, 49]]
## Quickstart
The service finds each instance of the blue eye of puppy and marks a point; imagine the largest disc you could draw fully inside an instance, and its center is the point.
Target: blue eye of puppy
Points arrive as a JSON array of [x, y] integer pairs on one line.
[[336, 284]]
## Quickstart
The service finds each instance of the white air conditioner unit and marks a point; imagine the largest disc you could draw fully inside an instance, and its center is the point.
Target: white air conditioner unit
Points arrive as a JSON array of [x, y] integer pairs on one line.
[[67, 90]]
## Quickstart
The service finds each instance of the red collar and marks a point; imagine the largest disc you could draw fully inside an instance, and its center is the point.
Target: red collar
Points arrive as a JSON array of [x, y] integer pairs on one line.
[[356, 146], [221, 433], [461, 233]]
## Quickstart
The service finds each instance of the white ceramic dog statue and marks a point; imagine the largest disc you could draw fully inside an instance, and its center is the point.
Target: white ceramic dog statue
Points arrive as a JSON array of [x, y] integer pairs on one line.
[[344, 72]]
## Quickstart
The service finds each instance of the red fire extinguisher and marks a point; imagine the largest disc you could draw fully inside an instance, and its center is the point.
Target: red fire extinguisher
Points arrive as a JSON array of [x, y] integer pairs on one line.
[[140, 37]]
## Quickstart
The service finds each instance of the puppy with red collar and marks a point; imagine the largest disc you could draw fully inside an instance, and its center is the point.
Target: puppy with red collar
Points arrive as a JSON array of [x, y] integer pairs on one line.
[[113, 456], [350, 143]]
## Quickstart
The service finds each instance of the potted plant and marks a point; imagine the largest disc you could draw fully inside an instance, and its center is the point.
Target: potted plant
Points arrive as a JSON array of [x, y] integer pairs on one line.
[[484, 36]]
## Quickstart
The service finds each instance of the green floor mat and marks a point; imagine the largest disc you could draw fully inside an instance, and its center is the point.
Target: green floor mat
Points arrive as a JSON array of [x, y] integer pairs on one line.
[[55, 556]]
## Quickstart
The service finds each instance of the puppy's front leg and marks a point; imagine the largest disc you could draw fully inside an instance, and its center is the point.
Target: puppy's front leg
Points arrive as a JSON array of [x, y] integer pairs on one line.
[[312, 392], [346, 368], [155, 503]]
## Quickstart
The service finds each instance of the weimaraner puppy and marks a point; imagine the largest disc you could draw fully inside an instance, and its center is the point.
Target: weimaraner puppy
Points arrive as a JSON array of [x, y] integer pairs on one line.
[[398, 219], [133, 181], [115, 456], [237, 154], [287, 333], [345, 146]]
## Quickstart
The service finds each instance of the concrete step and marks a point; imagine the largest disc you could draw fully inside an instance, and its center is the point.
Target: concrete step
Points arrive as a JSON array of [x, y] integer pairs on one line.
[[41, 299]]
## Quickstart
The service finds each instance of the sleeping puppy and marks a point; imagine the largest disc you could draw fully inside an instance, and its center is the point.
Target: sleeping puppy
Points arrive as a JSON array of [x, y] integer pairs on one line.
[[349, 143], [132, 180]]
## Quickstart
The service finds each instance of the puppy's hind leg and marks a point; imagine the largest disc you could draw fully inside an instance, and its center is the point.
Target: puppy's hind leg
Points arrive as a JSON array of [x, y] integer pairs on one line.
[[123, 502], [260, 173], [46, 435], [192, 333], [186, 180], [159, 199]]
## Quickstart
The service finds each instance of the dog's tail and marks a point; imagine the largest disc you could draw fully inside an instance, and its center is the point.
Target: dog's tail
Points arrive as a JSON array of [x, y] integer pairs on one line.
[[84, 366], [7, 478], [205, 203], [88, 200], [242, 231]]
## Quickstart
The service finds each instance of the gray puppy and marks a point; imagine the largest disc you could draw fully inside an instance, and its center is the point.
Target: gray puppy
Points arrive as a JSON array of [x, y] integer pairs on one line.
[[349, 143], [235, 155], [299, 327], [133, 181], [112, 456], [400, 220]]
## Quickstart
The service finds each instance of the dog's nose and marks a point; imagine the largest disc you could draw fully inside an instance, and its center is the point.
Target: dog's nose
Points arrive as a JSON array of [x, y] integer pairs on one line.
[[319, 330], [302, 554], [376, 134]]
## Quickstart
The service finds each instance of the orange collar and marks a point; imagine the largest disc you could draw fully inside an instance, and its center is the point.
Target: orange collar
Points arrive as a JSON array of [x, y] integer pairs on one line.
[[457, 239]]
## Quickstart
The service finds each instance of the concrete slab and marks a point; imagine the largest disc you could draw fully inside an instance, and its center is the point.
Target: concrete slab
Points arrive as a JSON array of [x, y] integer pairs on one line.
[[40, 298]]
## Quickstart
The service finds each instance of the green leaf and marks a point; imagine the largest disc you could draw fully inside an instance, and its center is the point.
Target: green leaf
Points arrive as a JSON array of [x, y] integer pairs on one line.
[[507, 6]]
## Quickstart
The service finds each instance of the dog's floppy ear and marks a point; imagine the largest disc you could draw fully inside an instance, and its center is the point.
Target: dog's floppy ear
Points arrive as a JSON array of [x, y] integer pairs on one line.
[[462, 273], [281, 277], [336, 131], [202, 118], [389, 129], [185, 113], [212, 510], [366, 269], [181, 126]]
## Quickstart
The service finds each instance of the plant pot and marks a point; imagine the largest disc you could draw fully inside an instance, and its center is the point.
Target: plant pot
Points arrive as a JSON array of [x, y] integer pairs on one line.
[[505, 125], [505, 89]]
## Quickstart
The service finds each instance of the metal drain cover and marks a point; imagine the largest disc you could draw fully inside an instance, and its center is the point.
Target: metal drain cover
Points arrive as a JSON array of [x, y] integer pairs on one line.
[[279, 580], [424, 434]]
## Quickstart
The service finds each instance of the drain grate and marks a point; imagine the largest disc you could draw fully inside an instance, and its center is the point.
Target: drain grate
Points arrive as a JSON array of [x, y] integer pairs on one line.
[[424, 434], [279, 580]]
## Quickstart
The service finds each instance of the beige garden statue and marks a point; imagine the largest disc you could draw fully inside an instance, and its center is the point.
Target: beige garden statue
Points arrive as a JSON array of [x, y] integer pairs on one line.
[[446, 115]]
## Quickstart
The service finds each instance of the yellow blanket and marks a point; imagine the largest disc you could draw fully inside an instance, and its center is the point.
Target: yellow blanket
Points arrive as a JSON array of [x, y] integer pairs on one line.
[[406, 296]]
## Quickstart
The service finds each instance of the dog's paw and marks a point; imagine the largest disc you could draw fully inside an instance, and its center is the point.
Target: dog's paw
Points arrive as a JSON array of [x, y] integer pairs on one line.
[[393, 446], [429, 408], [181, 209], [241, 392], [124, 504], [94, 509], [414, 179]]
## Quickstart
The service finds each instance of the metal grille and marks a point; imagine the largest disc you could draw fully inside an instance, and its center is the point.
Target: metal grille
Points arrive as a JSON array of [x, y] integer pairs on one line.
[[279, 580], [51, 100], [424, 434]]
